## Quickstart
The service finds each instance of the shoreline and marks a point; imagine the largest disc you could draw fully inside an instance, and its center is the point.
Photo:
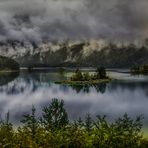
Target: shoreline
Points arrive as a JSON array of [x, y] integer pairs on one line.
[[93, 82], [9, 71]]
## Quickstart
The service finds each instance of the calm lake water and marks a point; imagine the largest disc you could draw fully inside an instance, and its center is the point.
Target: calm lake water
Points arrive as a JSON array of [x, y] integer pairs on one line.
[[126, 94]]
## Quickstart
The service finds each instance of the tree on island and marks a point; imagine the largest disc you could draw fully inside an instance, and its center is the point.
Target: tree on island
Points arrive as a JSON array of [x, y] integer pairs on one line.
[[86, 76], [140, 70], [101, 73], [145, 69], [79, 76]]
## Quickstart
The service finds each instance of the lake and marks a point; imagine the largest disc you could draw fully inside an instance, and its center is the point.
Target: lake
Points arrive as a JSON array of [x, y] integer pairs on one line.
[[126, 94]]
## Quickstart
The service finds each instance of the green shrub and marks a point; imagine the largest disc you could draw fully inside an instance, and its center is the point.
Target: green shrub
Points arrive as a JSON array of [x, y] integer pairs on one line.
[[77, 76], [6, 133], [54, 116], [31, 123], [55, 131], [99, 74]]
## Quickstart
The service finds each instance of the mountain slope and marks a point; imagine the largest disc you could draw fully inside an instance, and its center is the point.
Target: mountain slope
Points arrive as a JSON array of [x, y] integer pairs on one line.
[[8, 64], [96, 53]]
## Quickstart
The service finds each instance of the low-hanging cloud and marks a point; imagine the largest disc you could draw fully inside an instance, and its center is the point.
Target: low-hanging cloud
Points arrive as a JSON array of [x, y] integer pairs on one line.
[[43, 20]]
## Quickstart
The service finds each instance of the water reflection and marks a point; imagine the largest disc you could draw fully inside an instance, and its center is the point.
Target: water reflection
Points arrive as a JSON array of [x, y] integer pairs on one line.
[[113, 99], [7, 77], [100, 88]]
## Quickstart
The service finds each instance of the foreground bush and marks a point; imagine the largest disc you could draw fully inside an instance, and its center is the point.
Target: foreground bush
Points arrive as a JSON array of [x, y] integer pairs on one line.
[[53, 130]]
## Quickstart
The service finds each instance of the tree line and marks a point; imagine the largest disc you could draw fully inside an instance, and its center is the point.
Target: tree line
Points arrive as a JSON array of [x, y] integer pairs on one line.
[[8, 64], [54, 130]]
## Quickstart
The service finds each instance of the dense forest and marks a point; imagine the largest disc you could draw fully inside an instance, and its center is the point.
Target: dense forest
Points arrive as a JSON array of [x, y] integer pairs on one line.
[[140, 70], [110, 56], [8, 64]]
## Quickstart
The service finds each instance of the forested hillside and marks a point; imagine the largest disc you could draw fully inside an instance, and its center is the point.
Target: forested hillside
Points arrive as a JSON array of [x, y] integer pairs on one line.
[[80, 53], [8, 64]]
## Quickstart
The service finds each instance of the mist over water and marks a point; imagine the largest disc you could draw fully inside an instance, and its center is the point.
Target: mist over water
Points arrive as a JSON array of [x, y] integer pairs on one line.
[[113, 99], [43, 20]]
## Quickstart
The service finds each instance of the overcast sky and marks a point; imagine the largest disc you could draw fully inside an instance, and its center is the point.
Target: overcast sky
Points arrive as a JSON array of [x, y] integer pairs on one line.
[[38, 20]]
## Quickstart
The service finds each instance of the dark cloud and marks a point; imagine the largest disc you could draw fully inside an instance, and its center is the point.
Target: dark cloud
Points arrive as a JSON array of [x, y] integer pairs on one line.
[[39, 20]]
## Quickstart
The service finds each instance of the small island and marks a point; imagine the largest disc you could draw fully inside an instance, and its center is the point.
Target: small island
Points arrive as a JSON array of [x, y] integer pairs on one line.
[[140, 70], [79, 78]]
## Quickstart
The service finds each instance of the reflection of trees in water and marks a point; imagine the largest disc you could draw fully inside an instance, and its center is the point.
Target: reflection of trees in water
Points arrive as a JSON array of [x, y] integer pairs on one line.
[[44, 76], [19, 86], [100, 88], [131, 86], [7, 77]]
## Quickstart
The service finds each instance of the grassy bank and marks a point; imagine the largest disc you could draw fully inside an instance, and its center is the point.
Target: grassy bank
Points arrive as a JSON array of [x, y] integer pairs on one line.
[[91, 82], [8, 71]]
